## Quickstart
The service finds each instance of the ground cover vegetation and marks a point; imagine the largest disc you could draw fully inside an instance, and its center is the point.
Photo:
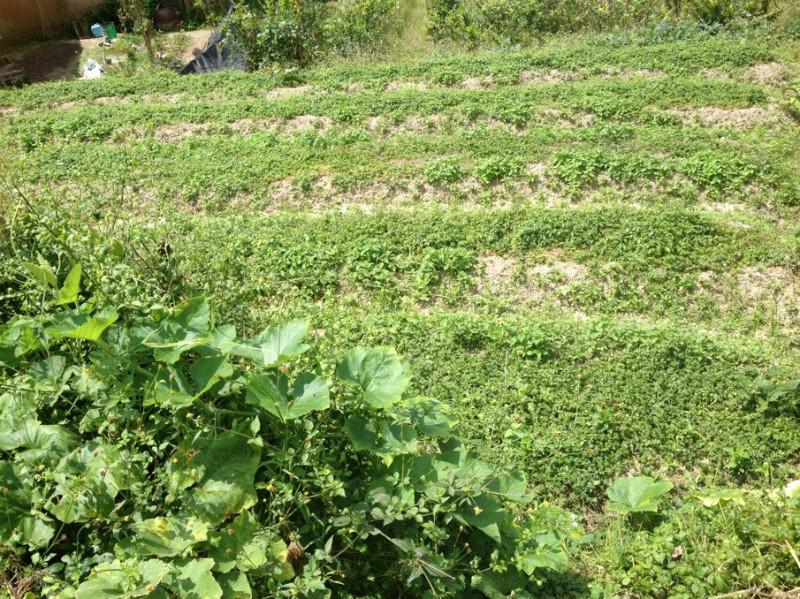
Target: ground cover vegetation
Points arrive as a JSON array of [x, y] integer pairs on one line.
[[583, 254]]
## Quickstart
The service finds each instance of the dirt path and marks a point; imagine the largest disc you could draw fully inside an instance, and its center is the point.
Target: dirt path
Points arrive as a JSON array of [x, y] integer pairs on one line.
[[49, 61]]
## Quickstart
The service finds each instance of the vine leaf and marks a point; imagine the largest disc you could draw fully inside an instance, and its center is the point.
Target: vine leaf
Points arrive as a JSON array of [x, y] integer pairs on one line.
[[185, 329], [379, 372], [130, 578], [68, 294], [164, 537], [636, 494], [275, 345], [76, 325], [235, 585], [221, 470], [309, 393], [193, 579]]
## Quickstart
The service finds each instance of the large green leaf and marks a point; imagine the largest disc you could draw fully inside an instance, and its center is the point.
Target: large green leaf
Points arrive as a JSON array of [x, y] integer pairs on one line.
[[511, 486], [165, 537], [235, 585], [42, 273], [240, 544], [548, 557], [715, 497], [379, 372], [87, 483], [499, 585], [68, 294], [45, 443], [275, 345], [15, 504], [636, 494], [308, 394], [193, 579], [362, 432], [76, 325], [394, 439], [484, 513], [123, 579], [221, 471], [171, 389], [35, 531], [206, 371], [41, 443], [185, 329]]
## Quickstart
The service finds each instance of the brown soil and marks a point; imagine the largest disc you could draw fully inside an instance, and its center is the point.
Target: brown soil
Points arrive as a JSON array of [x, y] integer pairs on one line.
[[50, 60], [287, 92], [711, 116], [396, 86], [769, 73]]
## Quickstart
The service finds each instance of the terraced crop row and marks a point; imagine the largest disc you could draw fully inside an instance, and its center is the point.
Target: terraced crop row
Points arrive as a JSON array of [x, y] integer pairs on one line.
[[590, 250]]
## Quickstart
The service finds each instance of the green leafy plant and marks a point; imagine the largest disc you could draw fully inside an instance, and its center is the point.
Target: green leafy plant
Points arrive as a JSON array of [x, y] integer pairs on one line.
[[285, 31], [636, 494], [203, 464], [498, 168], [361, 25], [447, 170], [791, 100]]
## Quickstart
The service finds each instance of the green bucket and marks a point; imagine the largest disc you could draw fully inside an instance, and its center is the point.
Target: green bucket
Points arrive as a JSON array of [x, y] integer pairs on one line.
[[110, 31]]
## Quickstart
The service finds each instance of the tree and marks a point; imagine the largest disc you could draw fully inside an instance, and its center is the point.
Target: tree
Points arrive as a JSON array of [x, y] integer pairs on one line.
[[134, 11]]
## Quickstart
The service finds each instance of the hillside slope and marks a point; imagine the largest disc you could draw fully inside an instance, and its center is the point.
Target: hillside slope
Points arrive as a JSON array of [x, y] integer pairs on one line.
[[589, 250]]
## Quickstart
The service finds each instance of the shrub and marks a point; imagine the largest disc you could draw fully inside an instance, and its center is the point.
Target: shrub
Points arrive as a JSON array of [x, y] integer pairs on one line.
[[725, 11], [477, 22], [504, 22], [149, 450], [791, 100], [488, 21], [361, 25], [718, 541], [718, 172], [498, 168], [446, 170], [284, 31]]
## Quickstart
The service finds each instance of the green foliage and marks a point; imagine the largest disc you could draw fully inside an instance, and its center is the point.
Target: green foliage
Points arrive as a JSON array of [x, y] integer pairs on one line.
[[445, 171], [359, 26], [504, 22], [791, 100], [197, 463], [476, 22], [614, 295], [703, 547], [498, 168], [718, 172], [297, 31], [285, 31], [725, 11], [636, 494]]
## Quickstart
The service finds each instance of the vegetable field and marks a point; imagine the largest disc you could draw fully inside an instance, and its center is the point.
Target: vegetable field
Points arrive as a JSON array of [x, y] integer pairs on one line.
[[586, 254]]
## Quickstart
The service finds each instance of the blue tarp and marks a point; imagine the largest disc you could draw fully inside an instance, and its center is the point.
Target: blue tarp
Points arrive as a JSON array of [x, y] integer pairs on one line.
[[216, 56]]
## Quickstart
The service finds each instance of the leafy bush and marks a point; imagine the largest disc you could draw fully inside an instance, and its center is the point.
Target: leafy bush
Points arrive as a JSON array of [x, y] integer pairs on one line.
[[284, 31], [151, 451], [717, 541], [296, 31], [725, 11], [497, 168], [636, 494], [361, 25], [504, 22], [791, 100], [476, 22], [493, 21], [718, 172], [446, 170]]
